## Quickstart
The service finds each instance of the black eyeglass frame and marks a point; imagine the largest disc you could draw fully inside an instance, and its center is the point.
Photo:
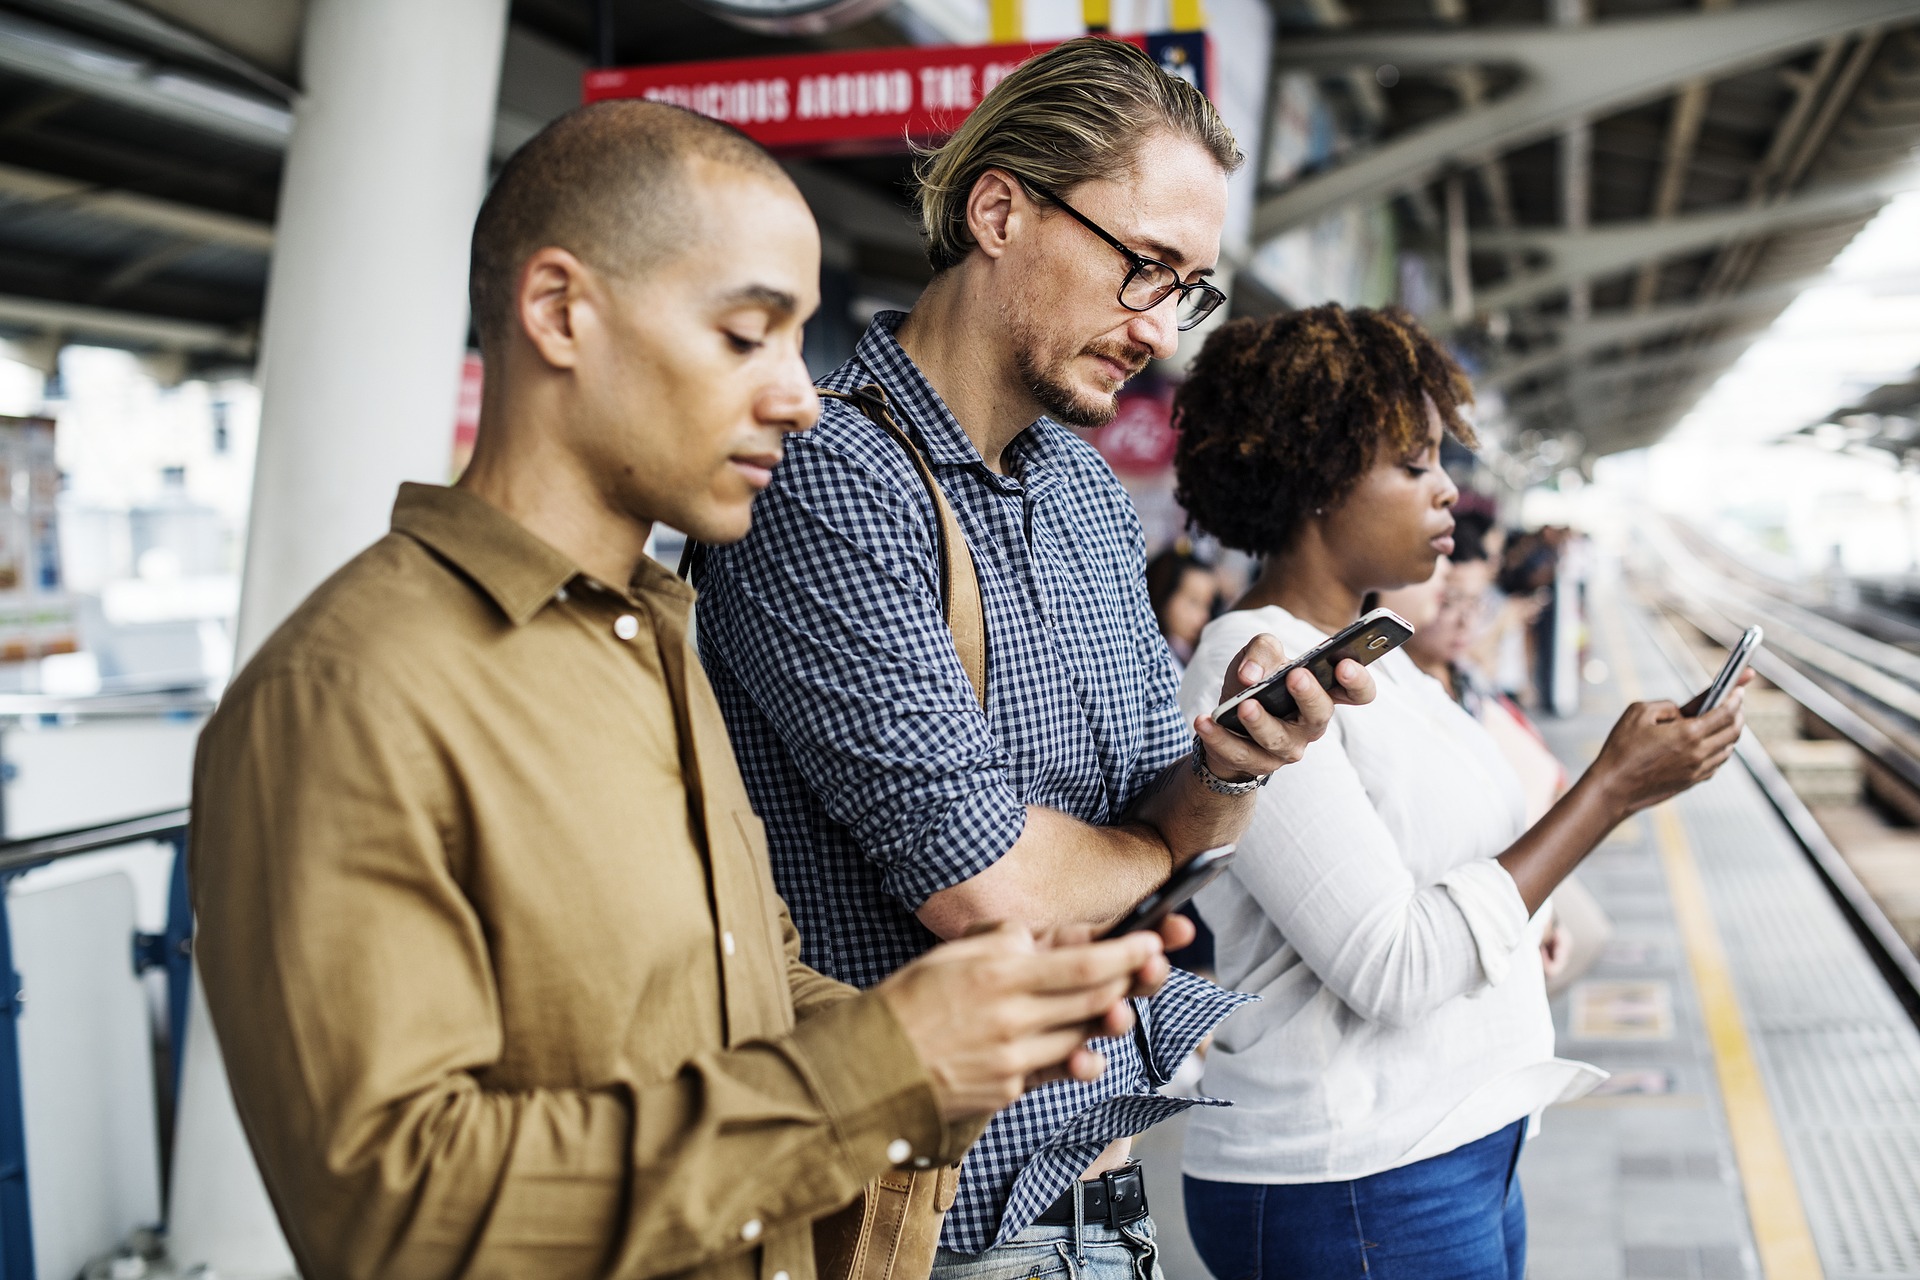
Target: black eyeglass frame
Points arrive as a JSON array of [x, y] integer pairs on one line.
[[1138, 262]]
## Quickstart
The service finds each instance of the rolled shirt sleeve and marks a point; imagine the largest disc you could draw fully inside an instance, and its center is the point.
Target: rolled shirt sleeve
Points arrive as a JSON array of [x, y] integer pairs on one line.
[[353, 986], [830, 621]]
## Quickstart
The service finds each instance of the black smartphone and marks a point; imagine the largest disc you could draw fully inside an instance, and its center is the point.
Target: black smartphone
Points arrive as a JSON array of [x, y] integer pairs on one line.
[[1374, 636], [1716, 693], [1174, 894]]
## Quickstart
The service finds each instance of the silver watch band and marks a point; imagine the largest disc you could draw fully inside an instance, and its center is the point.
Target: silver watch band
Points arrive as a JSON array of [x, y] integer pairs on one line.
[[1214, 782]]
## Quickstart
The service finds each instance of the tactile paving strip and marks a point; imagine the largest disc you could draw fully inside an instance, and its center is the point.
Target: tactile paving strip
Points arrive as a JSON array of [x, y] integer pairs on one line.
[[1840, 1057]]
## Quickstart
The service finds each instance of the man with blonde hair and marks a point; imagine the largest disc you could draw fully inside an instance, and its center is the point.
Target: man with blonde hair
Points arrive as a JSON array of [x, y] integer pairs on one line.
[[1072, 223]]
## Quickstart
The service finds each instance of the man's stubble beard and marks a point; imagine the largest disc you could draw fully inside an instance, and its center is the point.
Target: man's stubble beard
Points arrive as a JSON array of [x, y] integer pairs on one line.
[[1049, 389]]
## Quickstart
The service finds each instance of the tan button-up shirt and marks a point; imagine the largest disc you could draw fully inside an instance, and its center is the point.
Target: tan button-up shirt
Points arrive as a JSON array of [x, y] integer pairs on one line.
[[488, 935]]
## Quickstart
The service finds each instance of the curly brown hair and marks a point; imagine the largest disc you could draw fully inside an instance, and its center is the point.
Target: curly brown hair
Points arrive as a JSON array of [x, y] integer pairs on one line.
[[1281, 415]]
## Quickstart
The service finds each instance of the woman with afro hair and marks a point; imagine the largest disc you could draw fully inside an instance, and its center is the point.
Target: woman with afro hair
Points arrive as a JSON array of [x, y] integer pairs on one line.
[[1384, 900]]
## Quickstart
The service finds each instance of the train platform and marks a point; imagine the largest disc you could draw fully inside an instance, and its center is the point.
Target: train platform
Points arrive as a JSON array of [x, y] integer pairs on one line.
[[1762, 1121]]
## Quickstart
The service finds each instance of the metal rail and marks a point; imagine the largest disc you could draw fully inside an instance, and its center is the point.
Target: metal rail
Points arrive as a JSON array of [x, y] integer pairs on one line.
[[36, 851], [171, 951], [148, 701], [1823, 692]]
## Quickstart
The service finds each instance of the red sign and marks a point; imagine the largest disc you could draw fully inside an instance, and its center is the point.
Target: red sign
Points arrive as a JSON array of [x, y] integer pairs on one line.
[[864, 100], [1140, 440]]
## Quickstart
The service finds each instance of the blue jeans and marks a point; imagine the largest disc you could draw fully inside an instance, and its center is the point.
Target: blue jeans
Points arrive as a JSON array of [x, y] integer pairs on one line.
[[1455, 1217], [1101, 1253]]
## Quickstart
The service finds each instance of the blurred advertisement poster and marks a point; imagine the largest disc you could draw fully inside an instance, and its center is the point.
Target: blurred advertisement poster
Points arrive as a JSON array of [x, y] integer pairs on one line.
[[37, 618]]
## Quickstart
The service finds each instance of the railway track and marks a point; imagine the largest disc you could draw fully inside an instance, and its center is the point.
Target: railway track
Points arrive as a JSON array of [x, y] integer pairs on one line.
[[1865, 689]]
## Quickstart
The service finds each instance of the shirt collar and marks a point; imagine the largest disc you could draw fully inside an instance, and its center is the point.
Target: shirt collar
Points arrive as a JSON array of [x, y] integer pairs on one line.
[[516, 569]]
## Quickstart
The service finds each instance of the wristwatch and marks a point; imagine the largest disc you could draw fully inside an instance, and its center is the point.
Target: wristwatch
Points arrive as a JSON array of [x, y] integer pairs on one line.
[[1216, 784]]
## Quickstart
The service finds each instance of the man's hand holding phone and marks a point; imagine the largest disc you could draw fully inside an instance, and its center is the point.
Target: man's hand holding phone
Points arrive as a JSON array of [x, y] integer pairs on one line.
[[998, 1012], [1273, 742]]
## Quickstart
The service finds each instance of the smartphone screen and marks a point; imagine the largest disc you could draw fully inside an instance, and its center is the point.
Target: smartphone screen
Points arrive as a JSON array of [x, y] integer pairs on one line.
[[1716, 693], [1372, 637]]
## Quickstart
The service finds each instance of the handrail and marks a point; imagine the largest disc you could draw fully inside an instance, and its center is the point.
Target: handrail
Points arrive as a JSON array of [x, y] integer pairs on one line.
[[130, 702], [35, 851]]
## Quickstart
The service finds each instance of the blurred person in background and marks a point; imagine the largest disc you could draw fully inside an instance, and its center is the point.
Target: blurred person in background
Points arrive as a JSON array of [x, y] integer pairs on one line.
[[1184, 591], [1450, 610], [1384, 902]]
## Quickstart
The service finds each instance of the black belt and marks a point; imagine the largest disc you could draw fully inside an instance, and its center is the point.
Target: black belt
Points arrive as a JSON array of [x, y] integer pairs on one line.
[[1117, 1198]]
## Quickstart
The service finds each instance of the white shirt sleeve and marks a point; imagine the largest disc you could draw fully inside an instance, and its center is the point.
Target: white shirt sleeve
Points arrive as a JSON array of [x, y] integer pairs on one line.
[[1324, 868]]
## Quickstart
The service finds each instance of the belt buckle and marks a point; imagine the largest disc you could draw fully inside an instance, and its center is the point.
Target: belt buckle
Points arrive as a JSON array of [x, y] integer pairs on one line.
[[1126, 1194]]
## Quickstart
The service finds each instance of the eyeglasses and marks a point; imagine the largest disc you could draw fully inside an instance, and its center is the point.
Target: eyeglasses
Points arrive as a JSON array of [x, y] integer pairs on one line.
[[1149, 281]]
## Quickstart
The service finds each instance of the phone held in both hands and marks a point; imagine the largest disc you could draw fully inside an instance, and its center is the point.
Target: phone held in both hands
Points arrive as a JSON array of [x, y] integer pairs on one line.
[[1374, 636], [1174, 894], [1716, 693]]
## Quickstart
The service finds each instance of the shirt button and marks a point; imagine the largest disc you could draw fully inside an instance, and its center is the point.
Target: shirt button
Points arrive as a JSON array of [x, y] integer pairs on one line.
[[750, 1229], [921, 1162], [898, 1150], [726, 942], [781, 1275], [560, 594], [626, 626]]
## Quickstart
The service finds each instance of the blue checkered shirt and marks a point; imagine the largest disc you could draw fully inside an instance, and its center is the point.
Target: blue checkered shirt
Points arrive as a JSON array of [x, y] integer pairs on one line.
[[866, 752]]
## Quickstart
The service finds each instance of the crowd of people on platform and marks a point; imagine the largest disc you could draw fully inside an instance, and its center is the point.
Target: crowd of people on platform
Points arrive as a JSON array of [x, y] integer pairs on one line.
[[549, 934]]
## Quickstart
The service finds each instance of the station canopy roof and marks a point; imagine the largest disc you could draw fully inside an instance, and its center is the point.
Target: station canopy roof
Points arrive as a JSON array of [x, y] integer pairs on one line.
[[1645, 184]]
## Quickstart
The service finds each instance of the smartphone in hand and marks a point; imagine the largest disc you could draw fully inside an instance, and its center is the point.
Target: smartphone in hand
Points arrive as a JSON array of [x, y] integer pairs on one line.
[[1716, 693], [1374, 636], [1174, 894]]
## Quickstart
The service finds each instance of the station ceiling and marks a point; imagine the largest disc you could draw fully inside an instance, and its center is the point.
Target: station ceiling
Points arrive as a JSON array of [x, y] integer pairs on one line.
[[1639, 199]]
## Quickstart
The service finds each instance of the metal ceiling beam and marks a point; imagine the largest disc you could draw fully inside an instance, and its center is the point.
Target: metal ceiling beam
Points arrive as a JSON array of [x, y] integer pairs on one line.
[[160, 32], [53, 56], [1569, 73], [1613, 329], [1597, 414], [201, 225], [1602, 251], [123, 327], [1646, 365]]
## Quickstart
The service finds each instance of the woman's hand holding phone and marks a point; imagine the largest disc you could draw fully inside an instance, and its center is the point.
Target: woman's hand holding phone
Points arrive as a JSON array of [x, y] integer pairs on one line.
[[1272, 743], [1656, 750]]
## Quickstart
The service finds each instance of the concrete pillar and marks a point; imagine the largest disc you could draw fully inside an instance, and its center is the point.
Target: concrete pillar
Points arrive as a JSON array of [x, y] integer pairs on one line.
[[367, 299], [361, 352]]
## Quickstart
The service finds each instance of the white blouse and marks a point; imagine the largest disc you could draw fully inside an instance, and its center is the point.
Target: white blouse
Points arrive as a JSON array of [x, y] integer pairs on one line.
[[1402, 1009]]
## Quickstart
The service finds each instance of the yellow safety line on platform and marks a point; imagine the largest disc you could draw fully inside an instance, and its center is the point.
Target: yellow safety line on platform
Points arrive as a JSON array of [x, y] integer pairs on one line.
[[1779, 1220]]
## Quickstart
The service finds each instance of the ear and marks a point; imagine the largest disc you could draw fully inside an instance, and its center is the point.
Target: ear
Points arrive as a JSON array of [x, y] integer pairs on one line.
[[995, 207], [551, 302]]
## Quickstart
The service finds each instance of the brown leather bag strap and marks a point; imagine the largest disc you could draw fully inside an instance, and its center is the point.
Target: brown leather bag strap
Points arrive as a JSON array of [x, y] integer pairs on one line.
[[960, 600]]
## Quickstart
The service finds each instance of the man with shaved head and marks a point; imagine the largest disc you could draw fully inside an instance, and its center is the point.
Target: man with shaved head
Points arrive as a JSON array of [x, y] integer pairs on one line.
[[486, 923]]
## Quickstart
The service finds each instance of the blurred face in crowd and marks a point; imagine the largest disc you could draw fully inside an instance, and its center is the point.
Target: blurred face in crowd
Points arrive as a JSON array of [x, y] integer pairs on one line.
[[1189, 609], [1398, 521], [1420, 603], [688, 376], [1073, 343], [1461, 606]]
